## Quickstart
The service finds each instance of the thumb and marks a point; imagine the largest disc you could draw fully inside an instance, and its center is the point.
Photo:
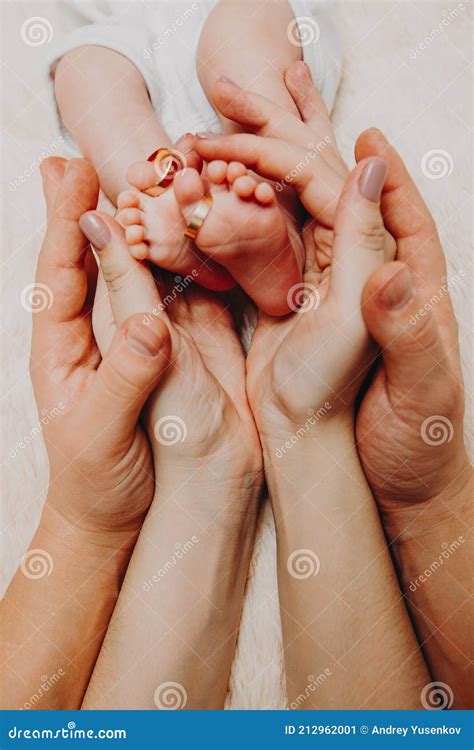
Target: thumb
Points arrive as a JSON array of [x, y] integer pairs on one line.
[[139, 355], [406, 330], [359, 236]]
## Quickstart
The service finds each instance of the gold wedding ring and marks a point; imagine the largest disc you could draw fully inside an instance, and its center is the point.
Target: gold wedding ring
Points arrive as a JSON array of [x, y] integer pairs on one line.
[[199, 216], [166, 162]]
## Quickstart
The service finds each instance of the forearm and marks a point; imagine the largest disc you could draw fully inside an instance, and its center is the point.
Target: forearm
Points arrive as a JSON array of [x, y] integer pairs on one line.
[[178, 614], [343, 617], [55, 614], [104, 103], [432, 546]]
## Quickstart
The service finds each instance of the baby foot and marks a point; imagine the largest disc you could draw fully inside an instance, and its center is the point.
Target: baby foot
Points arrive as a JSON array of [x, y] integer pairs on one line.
[[245, 231]]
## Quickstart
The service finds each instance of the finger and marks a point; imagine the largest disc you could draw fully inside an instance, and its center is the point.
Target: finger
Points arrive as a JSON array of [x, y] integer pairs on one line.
[[413, 353], [405, 213], [318, 185], [129, 283], [61, 272], [307, 98], [103, 321], [258, 113], [359, 237], [138, 357], [408, 219]]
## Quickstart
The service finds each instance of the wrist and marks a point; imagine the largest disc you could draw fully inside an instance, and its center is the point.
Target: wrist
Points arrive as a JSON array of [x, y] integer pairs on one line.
[[442, 513]]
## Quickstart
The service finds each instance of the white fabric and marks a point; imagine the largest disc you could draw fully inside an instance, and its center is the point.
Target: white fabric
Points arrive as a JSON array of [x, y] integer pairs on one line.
[[161, 37]]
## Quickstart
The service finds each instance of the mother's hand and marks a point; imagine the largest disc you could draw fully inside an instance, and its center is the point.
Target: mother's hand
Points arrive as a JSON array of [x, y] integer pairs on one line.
[[101, 471]]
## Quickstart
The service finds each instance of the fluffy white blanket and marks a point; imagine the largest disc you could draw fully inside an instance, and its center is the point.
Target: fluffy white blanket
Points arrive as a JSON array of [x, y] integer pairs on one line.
[[406, 70]]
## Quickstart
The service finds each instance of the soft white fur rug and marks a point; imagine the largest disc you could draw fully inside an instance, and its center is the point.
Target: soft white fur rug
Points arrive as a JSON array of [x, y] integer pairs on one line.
[[418, 95]]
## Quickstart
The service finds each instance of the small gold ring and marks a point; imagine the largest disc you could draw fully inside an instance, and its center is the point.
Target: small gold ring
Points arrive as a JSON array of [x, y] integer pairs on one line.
[[199, 216], [165, 161]]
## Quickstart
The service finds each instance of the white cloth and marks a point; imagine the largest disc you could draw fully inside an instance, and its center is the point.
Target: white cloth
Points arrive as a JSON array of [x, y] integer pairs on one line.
[[160, 37]]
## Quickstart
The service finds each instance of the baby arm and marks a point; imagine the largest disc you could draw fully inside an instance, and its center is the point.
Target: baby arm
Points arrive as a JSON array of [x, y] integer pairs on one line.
[[104, 103]]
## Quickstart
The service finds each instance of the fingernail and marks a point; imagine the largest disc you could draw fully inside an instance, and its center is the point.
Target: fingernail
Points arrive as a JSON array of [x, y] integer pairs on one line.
[[372, 179], [203, 135], [399, 290], [144, 341], [224, 79], [95, 230]]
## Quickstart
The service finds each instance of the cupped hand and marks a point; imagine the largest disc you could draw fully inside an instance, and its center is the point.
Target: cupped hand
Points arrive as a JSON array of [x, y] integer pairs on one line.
[[101, 470], [410, 424], [198, 420]]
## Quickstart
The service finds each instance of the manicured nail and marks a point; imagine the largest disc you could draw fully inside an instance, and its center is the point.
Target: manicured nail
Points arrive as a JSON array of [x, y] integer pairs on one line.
[[204, 135], [399, 291], [144, 341], [96, 230], [372, 179], [224, 79]]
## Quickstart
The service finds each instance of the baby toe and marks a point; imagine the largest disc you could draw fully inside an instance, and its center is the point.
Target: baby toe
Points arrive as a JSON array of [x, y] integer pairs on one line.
[[128, 216], [134, 235], [127, 199], [142, 175], [216, 171], [264, 193], [245, 186], [234, 170], [188, 189], [140, 251]]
